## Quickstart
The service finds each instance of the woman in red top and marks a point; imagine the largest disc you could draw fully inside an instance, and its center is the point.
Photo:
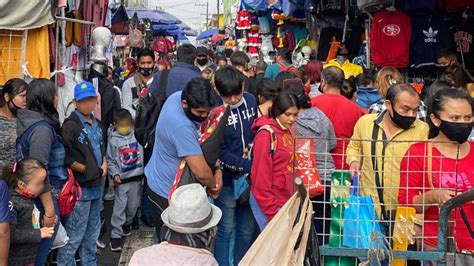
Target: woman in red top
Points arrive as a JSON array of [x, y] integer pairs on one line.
[[272, 167], [452, 169]]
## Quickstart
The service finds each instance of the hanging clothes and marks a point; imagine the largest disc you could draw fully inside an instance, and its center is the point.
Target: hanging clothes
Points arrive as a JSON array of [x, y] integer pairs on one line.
[[328, 35], [74, 30], [264, 25], [37, 54], [243, 20], [390, 39], [267, 42], [463, 39], [350, 70], [254, 42]]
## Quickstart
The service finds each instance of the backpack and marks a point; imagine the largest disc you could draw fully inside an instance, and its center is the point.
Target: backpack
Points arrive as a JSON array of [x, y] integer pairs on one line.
[[71, 191], [290, 68], [148, 111], [69, 195], [367, 96]]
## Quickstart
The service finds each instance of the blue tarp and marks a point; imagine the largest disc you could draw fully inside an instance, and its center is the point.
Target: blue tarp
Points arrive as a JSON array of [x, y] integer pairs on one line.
[[207, 34], [157, 27], [153, 15]]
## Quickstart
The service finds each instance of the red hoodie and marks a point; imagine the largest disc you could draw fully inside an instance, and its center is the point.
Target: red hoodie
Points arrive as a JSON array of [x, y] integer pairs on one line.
[[272, 177], [390, 38]]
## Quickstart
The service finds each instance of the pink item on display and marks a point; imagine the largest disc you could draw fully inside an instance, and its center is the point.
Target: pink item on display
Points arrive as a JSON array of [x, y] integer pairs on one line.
[[162, 45], [390, 39], [243, 20]]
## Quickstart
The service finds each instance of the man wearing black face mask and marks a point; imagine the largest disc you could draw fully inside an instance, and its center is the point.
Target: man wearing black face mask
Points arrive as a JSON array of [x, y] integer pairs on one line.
[[137, 86], [203, 61], [392, 132], [178, 139]]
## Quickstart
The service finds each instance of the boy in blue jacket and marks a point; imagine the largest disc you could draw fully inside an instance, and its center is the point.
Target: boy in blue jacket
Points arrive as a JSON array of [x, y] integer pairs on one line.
[[237, 139]]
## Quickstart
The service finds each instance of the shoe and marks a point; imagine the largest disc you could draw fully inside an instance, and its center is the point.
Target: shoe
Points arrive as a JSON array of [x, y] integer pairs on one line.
[[148, 220], [127, 230], [115, 244], [109, 195], [100, 244], [136, 223]]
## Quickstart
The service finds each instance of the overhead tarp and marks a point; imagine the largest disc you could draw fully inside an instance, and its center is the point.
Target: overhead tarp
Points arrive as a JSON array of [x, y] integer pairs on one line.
[[157, 27], [207, 34], [25, 15], [260, 5], [154, 15]]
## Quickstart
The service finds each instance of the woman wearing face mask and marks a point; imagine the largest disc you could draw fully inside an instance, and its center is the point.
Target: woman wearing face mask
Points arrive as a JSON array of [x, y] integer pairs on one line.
[[39, 138], [272, 172], [434, 172], [13, 99]]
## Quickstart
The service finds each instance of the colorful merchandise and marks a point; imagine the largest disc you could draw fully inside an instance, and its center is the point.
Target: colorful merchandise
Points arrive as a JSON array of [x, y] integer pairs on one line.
[[328, 35], [390, 39], [254, 42], [243, 20]]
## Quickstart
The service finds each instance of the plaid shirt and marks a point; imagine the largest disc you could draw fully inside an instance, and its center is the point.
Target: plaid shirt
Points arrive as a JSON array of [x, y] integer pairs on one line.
[[379, 107]]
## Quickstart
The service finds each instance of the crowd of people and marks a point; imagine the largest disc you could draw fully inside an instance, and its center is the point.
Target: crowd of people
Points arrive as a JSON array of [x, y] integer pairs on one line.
[[209, 221]]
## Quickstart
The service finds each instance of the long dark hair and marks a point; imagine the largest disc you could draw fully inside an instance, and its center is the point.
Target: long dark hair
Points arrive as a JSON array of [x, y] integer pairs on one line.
[[436, 105], [40, 98], [297, 88], [13, 87], [21, 171], [284, 101]]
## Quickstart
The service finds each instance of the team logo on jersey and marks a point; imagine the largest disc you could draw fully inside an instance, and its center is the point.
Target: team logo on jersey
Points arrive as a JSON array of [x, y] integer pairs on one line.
[[430, 35], [463, 40], [391, 30]]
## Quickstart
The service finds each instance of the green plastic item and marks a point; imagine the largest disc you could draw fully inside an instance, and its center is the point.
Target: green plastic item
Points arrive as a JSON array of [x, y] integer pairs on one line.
[[340, 188]]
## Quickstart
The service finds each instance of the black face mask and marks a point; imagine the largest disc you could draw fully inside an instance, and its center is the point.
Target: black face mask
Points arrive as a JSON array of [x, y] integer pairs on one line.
[[14, 109], [404, 122], [193, 117], [202, 61], [458, 132], [145, 71]]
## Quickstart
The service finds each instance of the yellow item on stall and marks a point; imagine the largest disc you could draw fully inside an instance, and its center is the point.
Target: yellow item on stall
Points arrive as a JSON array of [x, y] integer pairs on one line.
[[348, 68], [37, 53]]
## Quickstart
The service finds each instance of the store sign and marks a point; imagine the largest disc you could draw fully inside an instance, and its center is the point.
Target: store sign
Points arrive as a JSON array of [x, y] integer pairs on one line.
[[463, 40], [391, 30], [430, 35]]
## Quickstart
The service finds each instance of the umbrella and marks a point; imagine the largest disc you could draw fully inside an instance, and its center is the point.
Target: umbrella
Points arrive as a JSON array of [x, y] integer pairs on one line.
[[153, 15], [217, 37], [190, 32], [157, 27], [207, 34]]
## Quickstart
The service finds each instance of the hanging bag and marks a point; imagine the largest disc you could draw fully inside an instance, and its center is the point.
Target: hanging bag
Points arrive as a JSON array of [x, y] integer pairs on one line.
[[69, 195], [306, 166]]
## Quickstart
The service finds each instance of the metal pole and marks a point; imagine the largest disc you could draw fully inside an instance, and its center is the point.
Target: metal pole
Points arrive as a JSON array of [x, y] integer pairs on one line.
[[218, 13], [207, 15]]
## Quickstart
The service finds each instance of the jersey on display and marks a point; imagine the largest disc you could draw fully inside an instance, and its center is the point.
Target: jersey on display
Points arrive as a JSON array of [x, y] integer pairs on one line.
[[390, 39]]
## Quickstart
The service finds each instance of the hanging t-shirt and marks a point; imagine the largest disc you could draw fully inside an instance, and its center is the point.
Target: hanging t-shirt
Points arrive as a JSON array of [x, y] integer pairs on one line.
[[463, 41], [429, 37], [390, 39], [447, 173]]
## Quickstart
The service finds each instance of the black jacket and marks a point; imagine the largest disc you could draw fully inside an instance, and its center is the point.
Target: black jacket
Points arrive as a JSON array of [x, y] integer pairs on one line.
[[24, 239], [79, 149]]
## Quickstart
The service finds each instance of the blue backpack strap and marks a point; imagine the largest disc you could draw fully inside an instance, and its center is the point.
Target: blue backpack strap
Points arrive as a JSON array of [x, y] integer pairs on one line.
[[22, 149]]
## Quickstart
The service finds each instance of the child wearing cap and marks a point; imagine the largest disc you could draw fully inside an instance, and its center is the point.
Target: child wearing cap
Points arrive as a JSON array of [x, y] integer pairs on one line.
[[86, 157]]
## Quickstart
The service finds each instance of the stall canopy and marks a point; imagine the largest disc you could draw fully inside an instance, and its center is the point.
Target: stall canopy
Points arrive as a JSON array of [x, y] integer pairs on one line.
[[24, 15], [155, 16], [207, 34]]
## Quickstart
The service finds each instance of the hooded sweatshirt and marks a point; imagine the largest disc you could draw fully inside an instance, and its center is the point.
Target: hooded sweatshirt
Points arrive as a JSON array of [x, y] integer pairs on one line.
[[124, 157], [45, 145], [272, 176], [237, 137], [24, 237]]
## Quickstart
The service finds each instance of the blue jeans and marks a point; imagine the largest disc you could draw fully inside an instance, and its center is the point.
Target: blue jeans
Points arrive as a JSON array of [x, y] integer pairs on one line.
[[234, 217], [46, 243], [258, 214], [83, 229]]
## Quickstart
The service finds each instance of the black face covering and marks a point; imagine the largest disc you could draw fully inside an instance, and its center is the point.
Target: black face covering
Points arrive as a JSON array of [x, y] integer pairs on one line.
[[458, 132], [193, 117], [13, 109], [404, 122], [202, 61], [145, 71]]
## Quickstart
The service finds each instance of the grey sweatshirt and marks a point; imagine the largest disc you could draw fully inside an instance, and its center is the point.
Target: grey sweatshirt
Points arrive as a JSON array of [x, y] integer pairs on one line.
[[124, 156], [313, 123]]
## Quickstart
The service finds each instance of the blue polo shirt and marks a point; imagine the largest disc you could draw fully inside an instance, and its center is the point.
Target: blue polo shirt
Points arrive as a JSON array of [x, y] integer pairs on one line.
[[94, 133], [6, 206], [176, 137]]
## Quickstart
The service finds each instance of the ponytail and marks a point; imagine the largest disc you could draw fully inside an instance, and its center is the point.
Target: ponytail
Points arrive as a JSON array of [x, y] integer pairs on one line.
[[21, 171], [8, 175]]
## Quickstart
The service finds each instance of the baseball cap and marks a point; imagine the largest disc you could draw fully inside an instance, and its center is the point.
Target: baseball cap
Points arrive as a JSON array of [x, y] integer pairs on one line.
[[202, 51], [84, 90]]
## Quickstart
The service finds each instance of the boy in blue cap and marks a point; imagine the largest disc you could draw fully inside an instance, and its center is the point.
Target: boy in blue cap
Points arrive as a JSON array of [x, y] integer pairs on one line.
[[85, 149]]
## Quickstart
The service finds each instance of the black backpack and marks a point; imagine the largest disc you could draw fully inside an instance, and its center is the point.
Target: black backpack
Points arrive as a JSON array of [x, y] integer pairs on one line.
[[148, 111]]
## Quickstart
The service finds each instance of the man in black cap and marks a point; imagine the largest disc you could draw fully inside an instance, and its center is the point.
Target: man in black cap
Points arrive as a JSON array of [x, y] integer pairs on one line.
[[203, 61]]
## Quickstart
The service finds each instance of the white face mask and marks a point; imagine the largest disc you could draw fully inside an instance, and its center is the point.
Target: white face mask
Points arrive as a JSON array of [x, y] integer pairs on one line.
[[235, 106]]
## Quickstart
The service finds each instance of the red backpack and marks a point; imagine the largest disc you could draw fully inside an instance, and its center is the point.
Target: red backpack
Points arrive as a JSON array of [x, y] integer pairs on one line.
[[290, 68], [69, 195]]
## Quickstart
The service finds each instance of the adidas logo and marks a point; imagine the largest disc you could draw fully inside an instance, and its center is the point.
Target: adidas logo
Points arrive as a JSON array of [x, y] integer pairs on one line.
[[430, 35]]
